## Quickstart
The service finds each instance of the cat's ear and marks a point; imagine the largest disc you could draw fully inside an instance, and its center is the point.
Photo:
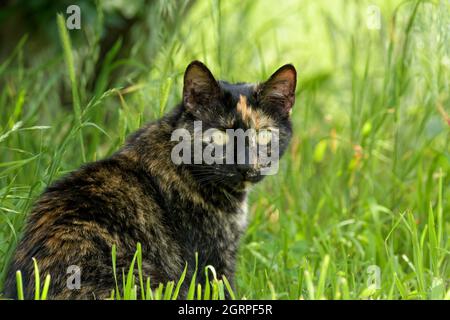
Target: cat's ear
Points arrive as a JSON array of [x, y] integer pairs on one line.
[[200, 88], [279, 90]]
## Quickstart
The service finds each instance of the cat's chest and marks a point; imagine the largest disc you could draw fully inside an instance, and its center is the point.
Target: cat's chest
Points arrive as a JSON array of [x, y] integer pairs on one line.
[[214, 227], [233, 222], [217, 236]]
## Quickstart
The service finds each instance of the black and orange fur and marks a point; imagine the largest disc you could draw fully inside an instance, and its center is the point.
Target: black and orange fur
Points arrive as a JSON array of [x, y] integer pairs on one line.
[[139, 195]]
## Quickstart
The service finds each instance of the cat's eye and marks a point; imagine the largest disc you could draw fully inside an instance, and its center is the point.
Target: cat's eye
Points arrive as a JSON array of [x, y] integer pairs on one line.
[[264, 137], [217, 137]]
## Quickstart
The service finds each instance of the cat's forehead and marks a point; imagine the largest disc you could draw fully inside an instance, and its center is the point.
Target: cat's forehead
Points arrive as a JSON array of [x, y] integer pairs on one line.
[[251, 116], [242, 105], [235, 90]]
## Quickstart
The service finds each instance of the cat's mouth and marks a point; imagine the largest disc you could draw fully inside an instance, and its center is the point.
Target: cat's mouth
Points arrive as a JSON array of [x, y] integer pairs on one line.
[[245, 179], [252, 177], [247, 182], [231, 177]]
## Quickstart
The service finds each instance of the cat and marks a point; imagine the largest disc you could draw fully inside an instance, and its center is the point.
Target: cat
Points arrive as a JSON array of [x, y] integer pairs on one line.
[[139, 195]]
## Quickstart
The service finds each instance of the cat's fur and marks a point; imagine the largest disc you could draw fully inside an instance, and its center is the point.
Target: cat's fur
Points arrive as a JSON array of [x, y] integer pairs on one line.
[[139, 195]]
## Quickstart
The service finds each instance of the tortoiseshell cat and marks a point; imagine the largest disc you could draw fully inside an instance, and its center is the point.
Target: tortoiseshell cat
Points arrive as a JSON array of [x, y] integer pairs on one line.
[[139, 195]]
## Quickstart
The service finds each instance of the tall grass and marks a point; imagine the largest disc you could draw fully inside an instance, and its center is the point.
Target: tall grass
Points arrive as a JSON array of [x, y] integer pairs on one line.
[[132, 285], [363, 189]]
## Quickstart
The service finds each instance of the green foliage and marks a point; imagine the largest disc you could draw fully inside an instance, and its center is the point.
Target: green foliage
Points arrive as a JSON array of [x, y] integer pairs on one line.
[[213, 290], [364, 183]]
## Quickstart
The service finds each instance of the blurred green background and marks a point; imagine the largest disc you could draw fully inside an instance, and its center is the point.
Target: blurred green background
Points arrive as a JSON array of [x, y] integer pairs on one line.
[[365, 183]]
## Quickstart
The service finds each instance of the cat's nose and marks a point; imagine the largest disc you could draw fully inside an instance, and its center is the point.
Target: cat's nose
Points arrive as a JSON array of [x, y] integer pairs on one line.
[[250, 174], [253, 176]]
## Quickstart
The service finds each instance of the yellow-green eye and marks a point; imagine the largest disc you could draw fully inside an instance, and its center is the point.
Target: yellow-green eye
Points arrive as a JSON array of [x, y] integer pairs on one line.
[[264, 137], [219, 137]]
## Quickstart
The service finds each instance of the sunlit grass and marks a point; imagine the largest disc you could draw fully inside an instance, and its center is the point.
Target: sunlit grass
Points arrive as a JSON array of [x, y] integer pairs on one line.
[[133, 285]]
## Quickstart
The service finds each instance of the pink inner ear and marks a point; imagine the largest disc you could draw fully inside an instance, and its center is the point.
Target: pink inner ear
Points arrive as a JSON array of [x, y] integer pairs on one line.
[[281, 87], [288, 75], [199, 85], [197, 78], [283, 82]]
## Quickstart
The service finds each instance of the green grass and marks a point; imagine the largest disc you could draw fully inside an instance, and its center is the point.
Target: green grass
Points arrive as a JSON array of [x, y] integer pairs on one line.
[[127, 288], [364, 185]]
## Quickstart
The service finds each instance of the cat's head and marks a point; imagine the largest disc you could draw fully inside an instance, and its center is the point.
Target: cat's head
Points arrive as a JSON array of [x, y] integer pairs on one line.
[[249, 122]]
